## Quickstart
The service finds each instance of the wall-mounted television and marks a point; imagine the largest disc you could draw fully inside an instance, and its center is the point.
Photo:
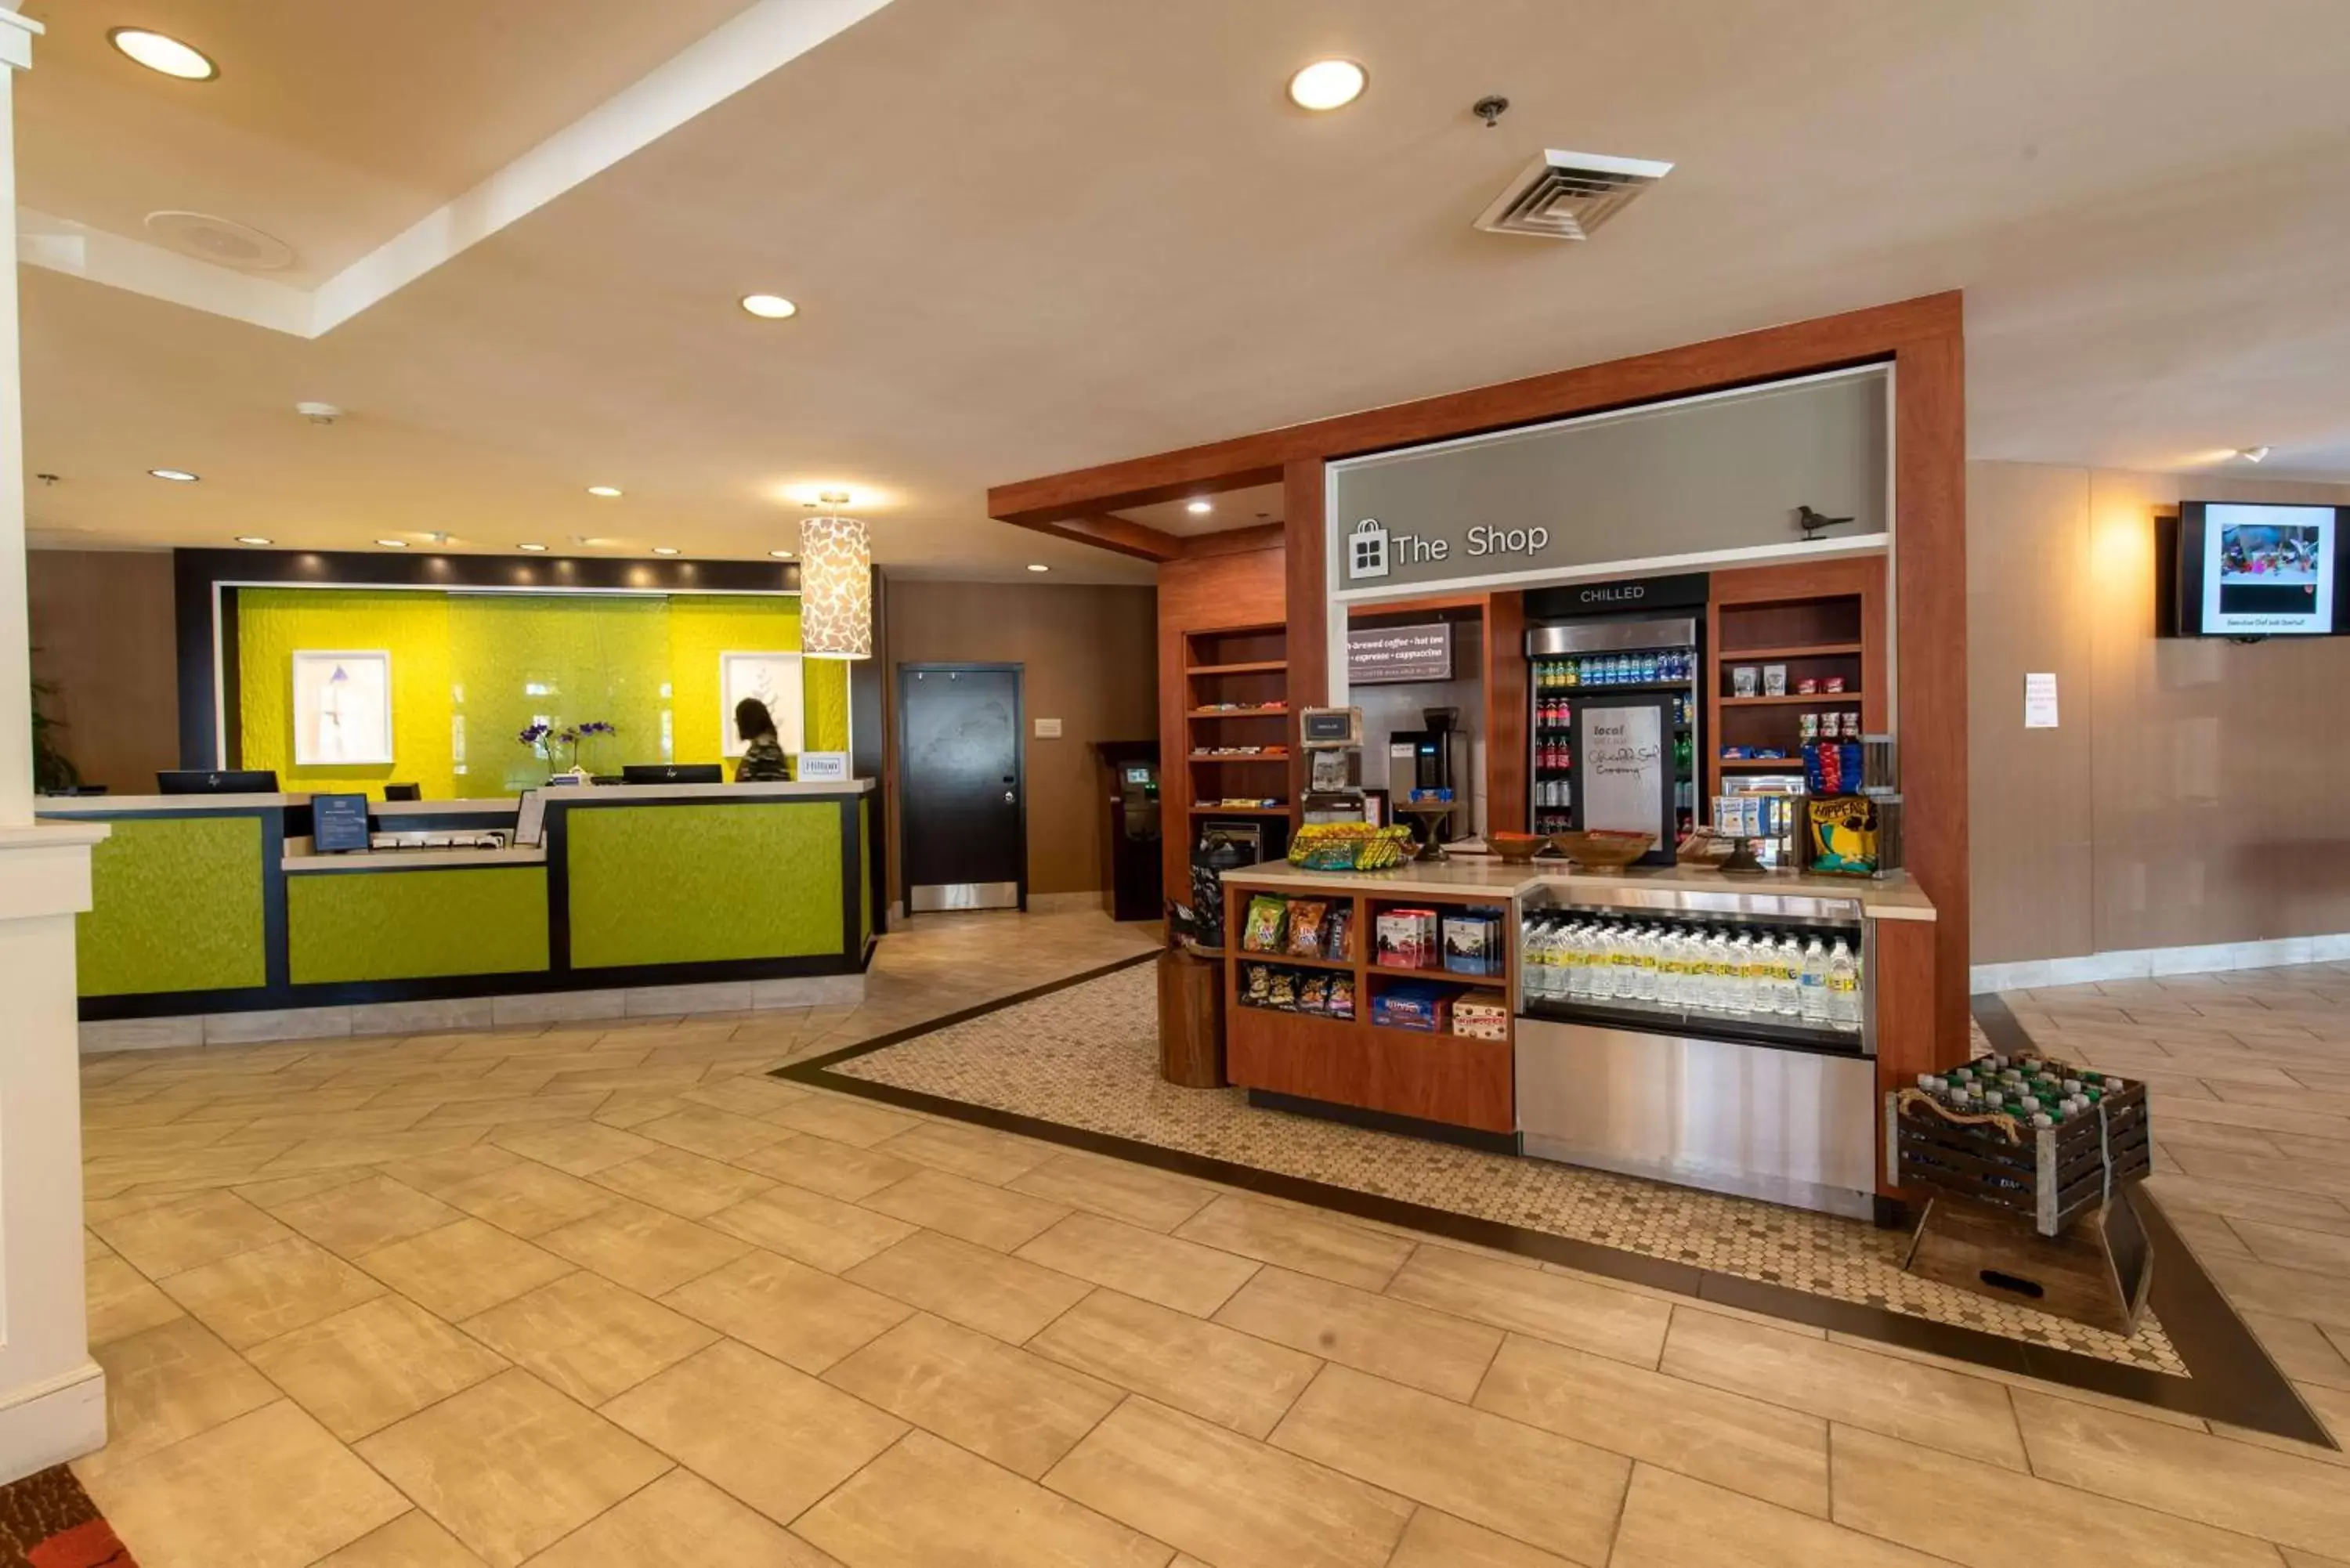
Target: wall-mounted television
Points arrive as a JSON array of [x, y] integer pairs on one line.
[[2260, 569]]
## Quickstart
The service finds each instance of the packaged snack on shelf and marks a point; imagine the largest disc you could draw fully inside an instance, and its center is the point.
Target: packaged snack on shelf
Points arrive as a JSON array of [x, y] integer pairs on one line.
[[1342, 996], [1843, 835], [1306, 926], [1415, 1005], [1256, 985], [1261, 930], [1313, 994], [1472, 942], [1284, 989], [1406, 939], [1480, 1020], [1340, 943]]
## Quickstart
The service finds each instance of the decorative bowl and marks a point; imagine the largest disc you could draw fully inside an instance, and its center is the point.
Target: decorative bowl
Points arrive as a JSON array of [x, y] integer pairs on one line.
[[1603, 849], [1517, 848]]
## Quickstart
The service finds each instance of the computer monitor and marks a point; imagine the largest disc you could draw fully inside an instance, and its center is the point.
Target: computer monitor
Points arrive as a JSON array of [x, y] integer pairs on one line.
[[674, 774], [219, 781], [404, 791]]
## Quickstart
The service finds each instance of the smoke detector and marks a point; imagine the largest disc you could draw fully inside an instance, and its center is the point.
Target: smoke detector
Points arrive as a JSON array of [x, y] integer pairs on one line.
[[318, 413], [1567, 196], [224, 241]]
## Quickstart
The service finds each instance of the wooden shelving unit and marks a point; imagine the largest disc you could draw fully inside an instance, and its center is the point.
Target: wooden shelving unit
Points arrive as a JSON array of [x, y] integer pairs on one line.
[[1815, 697], [1247, 665], [1452, 1080], [1819, 620]]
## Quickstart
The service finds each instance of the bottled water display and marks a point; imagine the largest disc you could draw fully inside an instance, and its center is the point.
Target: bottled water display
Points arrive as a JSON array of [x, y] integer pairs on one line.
[[1732, 969]]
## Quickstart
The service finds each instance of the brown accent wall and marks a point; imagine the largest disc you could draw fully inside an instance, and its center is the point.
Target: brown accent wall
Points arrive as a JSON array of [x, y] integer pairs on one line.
[[1090, 658], [2192, 791], [102, 634]]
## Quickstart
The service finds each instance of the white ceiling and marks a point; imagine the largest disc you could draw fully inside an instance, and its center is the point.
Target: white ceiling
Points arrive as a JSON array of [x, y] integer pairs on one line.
[[1043, 233], [1245, 508]]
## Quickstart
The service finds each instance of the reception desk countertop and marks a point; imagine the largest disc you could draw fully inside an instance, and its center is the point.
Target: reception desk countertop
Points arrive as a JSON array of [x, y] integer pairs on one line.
[[410, 860]]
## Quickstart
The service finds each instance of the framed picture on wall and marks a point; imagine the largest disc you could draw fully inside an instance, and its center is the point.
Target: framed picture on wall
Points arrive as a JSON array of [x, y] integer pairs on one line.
[[774, 679], [342, 707]]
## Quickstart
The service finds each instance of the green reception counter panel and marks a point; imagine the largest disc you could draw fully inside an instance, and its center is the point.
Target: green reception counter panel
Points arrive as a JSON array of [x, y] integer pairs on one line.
[[216, 904]]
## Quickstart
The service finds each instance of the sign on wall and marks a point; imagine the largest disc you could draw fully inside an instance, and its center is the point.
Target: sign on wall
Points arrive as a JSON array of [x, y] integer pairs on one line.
[[342, 707], [775, 679], [1377, 654], [1666, 486]]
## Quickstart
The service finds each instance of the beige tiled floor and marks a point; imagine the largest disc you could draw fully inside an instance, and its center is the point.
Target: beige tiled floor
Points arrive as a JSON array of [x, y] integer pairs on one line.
[[590, 1296]]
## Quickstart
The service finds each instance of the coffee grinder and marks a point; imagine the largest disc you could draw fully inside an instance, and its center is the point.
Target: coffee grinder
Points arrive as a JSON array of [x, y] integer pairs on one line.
[[1333, 739]]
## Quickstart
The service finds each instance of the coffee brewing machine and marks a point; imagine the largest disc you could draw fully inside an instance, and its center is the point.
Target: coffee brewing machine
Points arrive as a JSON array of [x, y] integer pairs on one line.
[[1333, 741], [1430, 765]]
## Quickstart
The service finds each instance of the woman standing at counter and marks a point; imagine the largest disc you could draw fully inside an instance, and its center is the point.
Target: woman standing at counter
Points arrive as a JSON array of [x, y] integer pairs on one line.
[[763, 762]]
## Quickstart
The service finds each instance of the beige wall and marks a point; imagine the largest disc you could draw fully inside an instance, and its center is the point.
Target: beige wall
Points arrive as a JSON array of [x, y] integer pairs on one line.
[[2196, 791], [1090, 660], [102, 634]]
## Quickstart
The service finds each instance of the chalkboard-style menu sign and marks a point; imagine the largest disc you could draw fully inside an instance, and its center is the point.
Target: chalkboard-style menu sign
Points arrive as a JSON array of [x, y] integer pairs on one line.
[[1623, 768], [1377, 654]]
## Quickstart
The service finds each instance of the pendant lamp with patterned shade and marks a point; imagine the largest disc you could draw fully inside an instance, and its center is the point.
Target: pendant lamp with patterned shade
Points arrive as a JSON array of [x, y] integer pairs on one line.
[[835, 588]]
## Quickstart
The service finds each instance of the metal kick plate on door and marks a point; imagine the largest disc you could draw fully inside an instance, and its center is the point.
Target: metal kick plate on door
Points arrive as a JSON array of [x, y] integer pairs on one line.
[[963, 896]]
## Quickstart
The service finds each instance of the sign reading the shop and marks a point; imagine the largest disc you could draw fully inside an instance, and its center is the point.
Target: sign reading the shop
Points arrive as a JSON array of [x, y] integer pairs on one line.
[[1377, 654], [1623, 765], [1661, 488]]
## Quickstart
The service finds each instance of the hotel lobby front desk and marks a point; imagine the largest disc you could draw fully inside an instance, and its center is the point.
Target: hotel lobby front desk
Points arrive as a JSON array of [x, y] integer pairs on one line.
[[214, 919], [1745, 1100]]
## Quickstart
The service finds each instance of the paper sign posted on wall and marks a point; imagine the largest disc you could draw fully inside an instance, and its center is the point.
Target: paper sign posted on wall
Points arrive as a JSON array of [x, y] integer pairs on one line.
[[2040, 700]]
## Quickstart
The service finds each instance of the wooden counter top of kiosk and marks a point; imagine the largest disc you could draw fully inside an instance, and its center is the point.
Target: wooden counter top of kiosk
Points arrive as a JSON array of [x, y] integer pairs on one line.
[[1467, 880]]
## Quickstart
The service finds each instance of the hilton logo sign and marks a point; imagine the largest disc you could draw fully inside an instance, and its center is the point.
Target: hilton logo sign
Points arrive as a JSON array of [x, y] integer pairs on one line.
[[1373, 552]]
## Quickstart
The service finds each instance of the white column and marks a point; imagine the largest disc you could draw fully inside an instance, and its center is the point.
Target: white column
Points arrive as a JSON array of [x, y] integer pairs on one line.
[[52, 1394]]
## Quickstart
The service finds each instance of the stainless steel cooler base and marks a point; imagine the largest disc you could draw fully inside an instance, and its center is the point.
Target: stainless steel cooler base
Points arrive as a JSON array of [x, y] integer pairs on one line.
[[1789, 1127]]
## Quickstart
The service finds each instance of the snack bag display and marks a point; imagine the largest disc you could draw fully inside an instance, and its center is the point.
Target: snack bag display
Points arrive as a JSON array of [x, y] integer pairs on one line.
[[1256, 982], [1341, 1001], [1340, 943], [1314, 995], [1843, 835], [1284, 988], [1261, 930], [1306, 926]]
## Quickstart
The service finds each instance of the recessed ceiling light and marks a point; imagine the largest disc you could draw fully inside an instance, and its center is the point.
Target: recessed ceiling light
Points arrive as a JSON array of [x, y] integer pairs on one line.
[[769, 306], [1038, 567], [533, 549], [2252, 453], [253, 539], [605, 491], [1327, 85], [780, 555], [664, 549], [393, 544], [159, 52], [1201, 508], [176, 475]]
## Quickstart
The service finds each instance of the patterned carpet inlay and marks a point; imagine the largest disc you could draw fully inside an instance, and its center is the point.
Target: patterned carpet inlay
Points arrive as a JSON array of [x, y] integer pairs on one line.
[[46, 1520], [1087, 1056]]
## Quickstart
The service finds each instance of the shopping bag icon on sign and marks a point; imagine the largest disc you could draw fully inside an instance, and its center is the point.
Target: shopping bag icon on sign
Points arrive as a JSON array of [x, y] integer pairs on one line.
[[1367, 551]]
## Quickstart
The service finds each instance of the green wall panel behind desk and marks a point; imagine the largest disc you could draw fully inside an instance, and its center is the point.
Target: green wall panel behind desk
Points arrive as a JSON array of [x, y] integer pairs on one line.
[[416, 925], [699, 884], [176, 905]]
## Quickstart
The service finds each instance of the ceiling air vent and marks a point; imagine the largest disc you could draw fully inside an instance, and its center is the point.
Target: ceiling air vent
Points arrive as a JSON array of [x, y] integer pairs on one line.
[[1567, 196]]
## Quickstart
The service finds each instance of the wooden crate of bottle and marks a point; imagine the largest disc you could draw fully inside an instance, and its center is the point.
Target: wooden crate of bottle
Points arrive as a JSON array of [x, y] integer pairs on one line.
[[2046, 1176]]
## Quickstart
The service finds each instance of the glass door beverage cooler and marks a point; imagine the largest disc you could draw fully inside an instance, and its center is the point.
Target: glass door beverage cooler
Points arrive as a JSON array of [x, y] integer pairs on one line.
[[1571, 659]]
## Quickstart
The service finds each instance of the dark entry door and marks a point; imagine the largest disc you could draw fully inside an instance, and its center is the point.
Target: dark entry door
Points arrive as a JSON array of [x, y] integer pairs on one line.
[[961, 791]]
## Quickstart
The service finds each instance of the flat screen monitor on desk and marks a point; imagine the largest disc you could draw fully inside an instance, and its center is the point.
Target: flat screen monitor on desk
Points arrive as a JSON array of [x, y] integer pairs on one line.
[[674, 774], [224, 781]]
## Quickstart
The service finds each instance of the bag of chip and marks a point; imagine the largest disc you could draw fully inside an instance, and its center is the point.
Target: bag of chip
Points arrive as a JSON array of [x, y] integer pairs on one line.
[[1261, 930], [1340, 1002], [1313, 994], [1843, 835], [1258, 982], [1306, 926], [1339, 943], [1284, 988]]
